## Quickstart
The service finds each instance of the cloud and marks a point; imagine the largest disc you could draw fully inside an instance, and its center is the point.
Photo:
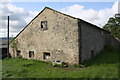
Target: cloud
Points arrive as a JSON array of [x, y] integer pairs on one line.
[[97, 17], [18, 18], [5, 1]]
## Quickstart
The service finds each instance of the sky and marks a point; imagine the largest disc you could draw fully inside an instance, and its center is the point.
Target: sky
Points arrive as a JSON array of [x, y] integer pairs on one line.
[[21, 13]]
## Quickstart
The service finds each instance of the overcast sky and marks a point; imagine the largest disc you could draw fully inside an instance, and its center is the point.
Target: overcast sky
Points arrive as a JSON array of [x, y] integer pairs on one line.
[[21, 13]]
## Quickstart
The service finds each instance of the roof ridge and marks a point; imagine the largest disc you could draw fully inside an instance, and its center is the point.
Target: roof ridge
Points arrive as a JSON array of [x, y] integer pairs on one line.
[[75, 18], [60, 12]]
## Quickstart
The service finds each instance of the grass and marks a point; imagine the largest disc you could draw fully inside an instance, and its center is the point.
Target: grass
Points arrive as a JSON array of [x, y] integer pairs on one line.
[[104, 65]]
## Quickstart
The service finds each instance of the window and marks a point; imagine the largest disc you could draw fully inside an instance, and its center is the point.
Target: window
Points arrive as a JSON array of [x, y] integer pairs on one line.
[[43, 25], [46, 55], [18, 53], [31, 54], [92, 53]]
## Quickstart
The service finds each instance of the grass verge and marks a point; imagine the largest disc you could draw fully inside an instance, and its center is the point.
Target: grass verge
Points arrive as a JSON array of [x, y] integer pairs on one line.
[[104, 65]]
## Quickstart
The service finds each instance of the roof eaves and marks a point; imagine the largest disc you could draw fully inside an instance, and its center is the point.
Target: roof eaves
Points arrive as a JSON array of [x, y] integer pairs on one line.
[[93, 25]]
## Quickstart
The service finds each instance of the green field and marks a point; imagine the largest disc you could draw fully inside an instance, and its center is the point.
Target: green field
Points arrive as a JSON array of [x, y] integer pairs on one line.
[[104, 65]]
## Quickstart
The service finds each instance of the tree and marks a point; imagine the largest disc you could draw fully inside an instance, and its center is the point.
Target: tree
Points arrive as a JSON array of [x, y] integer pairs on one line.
[[113, 25]]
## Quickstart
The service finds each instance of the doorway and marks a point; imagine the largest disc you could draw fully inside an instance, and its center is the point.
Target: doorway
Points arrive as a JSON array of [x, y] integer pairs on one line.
[[92, 53], [18, 53]]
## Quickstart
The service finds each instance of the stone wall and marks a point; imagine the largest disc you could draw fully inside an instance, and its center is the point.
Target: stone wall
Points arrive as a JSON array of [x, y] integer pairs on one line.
[[60, 39], [115, 42], [93, 40]]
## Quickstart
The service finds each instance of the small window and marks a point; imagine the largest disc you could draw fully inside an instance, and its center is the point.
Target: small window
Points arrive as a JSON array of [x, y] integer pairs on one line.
[[18, 53], [43, 25], [46, 55], [31, 54]]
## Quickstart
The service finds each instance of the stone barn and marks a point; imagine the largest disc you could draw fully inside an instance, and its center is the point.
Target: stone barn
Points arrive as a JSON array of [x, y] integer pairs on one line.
[[53, 35]]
